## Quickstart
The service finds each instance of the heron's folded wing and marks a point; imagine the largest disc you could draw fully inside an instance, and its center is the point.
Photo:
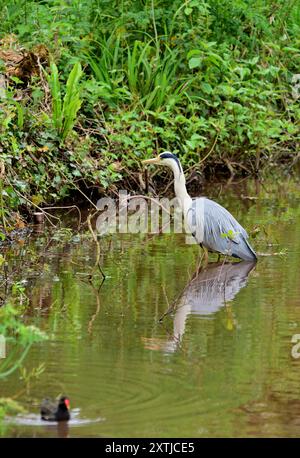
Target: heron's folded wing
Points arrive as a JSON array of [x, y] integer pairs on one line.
[[221, 229]]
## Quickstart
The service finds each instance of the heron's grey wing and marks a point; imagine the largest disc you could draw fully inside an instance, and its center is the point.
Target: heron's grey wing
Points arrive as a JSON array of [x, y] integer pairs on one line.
[[221, 231]]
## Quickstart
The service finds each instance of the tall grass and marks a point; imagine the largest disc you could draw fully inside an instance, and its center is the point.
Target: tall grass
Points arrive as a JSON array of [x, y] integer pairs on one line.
[[105, 63], [150, 75]]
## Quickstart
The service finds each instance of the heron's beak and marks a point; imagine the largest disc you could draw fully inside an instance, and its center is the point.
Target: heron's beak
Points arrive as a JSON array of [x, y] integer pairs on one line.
[[155, 160]]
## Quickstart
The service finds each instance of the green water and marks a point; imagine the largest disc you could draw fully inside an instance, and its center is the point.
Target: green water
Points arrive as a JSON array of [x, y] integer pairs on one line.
[[219, 364]]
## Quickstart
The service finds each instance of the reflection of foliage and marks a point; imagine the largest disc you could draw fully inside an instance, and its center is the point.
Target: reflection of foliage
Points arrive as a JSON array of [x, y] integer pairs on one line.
[[18, 338], [8, 407], [29, 376], [20, 335]]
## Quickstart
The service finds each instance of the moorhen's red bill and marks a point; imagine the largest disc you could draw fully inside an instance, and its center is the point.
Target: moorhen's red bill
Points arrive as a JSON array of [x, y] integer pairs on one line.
[[51, 411]]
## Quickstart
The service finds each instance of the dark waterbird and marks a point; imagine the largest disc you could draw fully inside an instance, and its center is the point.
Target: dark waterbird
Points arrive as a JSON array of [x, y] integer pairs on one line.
[[53, 411]]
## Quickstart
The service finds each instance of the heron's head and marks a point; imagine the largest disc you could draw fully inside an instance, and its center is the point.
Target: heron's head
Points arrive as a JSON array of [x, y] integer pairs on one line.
[[168, 159]]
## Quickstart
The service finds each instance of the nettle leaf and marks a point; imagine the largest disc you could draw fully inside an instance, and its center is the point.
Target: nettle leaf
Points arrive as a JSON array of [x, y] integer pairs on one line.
[[193, 52], [206, 88], [254, 60], [188, 11], [195, 62], [243, 71], [195, 141]]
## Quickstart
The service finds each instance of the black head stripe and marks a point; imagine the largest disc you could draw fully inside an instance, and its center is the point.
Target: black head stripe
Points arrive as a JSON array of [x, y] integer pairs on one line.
[[171, 156]]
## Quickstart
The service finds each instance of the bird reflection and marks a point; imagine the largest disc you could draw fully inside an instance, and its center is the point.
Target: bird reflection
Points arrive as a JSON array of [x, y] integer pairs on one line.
[[204, 295], [63, 429], [59, 429]]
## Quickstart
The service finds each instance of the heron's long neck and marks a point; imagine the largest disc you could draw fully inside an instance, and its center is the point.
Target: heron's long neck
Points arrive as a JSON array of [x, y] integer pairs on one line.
[[180, 189]]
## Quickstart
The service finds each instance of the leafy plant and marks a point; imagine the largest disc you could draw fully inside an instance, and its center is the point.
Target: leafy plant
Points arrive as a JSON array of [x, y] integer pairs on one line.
[[64, 111], [214, 81], [15, 332]]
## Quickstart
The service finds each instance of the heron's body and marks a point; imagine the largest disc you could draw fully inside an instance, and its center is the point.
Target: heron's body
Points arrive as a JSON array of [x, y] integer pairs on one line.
[[218, 230], [211, 224]]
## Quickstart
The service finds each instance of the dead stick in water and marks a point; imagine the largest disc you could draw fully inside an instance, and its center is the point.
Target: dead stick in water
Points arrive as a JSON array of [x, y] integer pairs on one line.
[[277, 253], [98, 249]]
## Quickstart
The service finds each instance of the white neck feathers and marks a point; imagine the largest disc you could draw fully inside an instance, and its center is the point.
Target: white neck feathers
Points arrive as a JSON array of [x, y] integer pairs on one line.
[[179, 185]]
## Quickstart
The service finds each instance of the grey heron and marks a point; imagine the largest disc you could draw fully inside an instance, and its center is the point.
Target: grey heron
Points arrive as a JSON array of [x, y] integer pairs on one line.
[[213, 227]]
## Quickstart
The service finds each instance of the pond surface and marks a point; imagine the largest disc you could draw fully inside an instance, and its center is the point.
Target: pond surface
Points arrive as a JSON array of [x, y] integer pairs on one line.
[[220, 361]]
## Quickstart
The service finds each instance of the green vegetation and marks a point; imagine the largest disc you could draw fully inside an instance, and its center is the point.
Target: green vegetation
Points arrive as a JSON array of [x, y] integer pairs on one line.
[[8, 407], [17, 333], [91, 87]]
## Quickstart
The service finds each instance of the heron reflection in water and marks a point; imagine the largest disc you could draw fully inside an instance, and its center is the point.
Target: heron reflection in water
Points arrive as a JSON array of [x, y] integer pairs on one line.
[[204, 295]]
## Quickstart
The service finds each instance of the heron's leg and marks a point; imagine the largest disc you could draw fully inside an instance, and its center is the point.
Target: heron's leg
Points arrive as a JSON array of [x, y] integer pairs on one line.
[[199, 260], [202, 264], [205, 251]]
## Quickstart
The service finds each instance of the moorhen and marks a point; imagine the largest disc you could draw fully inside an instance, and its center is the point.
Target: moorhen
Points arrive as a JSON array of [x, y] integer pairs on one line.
[[51, 411]]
